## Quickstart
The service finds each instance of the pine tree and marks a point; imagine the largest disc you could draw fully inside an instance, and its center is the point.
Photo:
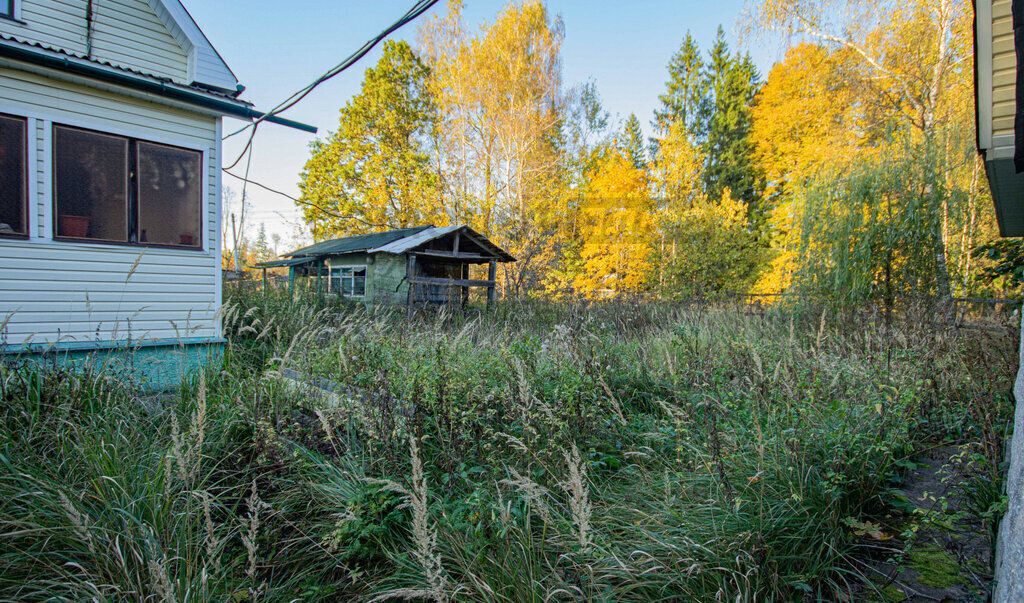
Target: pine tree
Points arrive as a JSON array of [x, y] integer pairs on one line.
[[633, 142], [263, 252]]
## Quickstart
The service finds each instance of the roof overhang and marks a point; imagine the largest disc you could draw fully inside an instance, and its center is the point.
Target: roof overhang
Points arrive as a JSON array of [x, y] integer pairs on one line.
[[286, 263], [34, 56], [410, 243]]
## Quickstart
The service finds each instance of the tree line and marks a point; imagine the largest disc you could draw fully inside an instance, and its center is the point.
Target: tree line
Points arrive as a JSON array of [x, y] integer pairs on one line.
[[848, 171]]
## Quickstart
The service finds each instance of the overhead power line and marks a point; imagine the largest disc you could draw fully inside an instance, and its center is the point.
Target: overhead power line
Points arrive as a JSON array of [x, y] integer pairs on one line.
[[417, 9]]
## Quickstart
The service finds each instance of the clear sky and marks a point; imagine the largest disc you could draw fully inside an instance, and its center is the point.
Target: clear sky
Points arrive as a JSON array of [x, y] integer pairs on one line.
[[277, 47]]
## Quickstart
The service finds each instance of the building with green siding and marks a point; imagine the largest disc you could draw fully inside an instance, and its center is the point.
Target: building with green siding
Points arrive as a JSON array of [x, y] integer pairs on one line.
[[413, 266]]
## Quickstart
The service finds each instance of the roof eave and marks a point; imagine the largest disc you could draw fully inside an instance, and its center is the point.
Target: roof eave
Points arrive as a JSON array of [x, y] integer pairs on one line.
[[64, 62]]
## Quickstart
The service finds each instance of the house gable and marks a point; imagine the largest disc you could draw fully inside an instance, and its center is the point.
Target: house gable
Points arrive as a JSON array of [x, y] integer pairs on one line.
[[152, 37]]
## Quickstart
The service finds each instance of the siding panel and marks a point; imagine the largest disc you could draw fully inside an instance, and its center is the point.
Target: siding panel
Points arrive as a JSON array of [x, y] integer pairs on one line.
[[1004, 70], [126, 33], [83, 292]]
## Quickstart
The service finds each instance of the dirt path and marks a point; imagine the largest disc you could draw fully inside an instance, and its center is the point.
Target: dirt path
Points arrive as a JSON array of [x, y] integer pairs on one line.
[[946, 558]]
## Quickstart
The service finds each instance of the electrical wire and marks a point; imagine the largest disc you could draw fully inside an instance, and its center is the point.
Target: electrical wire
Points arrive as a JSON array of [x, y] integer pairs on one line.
[[420, 7]]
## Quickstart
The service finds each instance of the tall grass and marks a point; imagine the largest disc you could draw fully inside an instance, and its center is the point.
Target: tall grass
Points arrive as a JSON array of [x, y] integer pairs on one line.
[[540, 451]]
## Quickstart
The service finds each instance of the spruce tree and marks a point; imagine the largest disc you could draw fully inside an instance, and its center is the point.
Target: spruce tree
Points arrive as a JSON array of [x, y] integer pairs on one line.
[[686, 97], [633, 142], [734, 82]]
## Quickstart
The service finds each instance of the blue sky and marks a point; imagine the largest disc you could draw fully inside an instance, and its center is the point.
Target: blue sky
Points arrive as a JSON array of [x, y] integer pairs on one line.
[[275, 48]]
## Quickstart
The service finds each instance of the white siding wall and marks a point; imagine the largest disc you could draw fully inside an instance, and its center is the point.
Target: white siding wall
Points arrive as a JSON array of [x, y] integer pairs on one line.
[[1004, 71], [83, 292], [126, 33]]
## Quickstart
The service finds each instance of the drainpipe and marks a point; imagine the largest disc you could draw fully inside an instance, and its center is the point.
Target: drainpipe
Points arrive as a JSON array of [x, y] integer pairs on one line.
[[89, 16]]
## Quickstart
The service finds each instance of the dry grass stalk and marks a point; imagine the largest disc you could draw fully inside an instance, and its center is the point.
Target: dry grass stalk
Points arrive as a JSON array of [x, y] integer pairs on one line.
[[253, 525], [160, 580], [79, 523], [424, 533], [579, 495], [534, 493]]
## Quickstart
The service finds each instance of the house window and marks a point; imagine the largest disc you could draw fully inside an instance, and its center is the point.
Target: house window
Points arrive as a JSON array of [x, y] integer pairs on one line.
[[169, 195], [349, 281], [121, 190], [13, 176], [90, 185], [7, 8]]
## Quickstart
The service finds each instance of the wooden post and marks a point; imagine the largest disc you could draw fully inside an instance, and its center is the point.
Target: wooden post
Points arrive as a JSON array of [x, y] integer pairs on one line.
[[264, 283], [465, 290], [320, 278], [291, 281], [492, 273], [410, 272]]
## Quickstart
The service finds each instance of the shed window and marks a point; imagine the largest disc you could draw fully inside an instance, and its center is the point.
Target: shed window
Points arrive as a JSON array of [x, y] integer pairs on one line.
[[13, 176], [349, 281], [7, 8], [121, 190]]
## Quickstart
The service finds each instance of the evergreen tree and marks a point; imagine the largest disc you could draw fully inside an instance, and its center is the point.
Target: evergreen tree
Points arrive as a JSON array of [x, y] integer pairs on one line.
[[686, 98], [262, 248], [729, 148], [633, 142]]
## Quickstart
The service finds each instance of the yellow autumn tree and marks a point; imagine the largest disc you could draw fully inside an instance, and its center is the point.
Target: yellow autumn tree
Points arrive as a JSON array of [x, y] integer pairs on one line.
[[805, 117], [617, 228], [500, 99]]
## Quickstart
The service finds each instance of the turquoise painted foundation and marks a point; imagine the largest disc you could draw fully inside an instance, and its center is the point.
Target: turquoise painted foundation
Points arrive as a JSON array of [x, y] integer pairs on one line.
[[150, 366]]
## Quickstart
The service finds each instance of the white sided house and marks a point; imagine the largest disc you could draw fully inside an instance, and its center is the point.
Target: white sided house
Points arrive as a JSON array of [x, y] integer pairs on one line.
[[110, 155], [999, 106]]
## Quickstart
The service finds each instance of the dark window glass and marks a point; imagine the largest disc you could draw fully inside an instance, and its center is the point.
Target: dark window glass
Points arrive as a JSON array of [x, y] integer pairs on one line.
[[348, 281], [13, 182], [7, 8], [90, 185], [335, 280], [170, 195], [359, 282]]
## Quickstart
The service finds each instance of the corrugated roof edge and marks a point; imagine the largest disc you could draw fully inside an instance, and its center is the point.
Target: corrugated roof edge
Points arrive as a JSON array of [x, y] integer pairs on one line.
[[405, 244], [356, 243]]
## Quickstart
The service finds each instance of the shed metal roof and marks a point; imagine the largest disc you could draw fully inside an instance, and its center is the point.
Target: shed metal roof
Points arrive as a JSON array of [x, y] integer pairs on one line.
[[411, 242], [283, 263], [355, 243], [397, 241]]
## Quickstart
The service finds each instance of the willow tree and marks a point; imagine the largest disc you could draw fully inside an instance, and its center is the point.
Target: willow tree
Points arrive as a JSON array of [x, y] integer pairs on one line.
[[375, 171], [907, 66]]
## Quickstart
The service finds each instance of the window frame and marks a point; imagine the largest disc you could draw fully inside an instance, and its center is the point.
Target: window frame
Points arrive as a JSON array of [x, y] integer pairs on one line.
[[199, 246], [25, 204], [341, 287], [132, 205], [11, 13]]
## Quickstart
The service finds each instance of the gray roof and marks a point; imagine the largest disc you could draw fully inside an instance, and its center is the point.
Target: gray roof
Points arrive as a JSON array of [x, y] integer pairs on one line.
[[283, 263], [411, 242], [355, 243], [397, 241]]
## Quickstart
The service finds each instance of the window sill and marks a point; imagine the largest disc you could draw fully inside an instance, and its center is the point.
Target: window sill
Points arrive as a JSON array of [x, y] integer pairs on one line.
[[12, 19], [127, 244], [15, 236]]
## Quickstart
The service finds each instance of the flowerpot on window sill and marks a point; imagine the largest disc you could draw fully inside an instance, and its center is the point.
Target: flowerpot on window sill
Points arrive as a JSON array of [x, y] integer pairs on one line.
[[73, 226]]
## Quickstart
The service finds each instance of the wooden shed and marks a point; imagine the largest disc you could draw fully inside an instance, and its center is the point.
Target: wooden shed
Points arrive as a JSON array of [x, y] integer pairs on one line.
[[414, 266]]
